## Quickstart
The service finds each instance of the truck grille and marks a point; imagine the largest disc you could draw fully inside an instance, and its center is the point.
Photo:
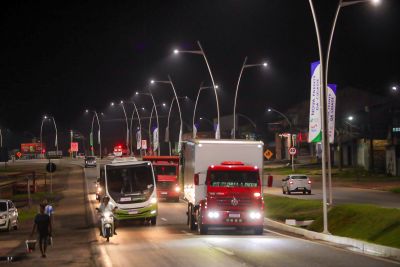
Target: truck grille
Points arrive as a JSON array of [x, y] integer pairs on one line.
[[165, 185], [233, 202]]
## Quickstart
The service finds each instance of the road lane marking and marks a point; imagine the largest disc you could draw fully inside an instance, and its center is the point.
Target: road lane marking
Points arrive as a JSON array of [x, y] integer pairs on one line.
[[225, 251], [163, 219]]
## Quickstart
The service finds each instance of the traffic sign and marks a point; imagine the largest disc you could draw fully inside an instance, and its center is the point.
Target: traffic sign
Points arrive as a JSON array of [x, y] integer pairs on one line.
[[19, 154], [51, 167], [268, 154], [74, 146], [292, 151], [144, 144]]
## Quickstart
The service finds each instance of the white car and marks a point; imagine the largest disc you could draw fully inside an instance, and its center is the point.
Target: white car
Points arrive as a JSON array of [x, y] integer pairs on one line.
[[8, 215], [296, 183]]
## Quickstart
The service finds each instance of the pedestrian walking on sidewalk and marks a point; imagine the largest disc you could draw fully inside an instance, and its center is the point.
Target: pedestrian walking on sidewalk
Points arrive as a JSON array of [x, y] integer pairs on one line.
[[42, 225]]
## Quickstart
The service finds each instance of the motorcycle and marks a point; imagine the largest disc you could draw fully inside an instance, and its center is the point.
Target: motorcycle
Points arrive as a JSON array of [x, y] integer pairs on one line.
[[107, 224]]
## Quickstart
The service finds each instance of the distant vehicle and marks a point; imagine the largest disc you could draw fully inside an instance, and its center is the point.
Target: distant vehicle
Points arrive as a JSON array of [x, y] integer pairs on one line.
[[166, 169], [80, 156], [8, 215], [222, 184], [131, 186], [296, 183], [120, 151], [90, 161]]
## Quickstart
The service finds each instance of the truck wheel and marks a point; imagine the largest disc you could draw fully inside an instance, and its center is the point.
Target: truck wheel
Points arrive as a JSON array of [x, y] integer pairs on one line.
[[192, 223], [258, 230], [309, 192], [153, 220], [202, 229], [176, 199]]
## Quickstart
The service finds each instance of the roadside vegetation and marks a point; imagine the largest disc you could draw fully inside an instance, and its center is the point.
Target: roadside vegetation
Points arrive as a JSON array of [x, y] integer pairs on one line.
[[360, 221], [395, 190]]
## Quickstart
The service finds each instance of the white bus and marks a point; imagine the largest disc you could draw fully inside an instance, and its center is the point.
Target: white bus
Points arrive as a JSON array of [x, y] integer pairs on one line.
[[131, 186]]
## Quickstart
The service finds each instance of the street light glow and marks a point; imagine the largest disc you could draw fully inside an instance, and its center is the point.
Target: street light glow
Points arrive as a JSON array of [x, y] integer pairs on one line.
[[112, 104], [201, 118], [122, 102], [87, 111], [216, 86], [152, 81], [45, 117], [176, 51], [269, 110], [350, 118], [164, 104], [394, 88], [142, 108], [136, 93], [376, 2], [265, 64]]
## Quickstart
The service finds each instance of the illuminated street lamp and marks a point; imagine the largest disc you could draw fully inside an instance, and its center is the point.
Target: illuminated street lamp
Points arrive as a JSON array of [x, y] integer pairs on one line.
[[95, 116], [394, 88], [323, 85], [155, 108], [195, 105], [201, 52], [244, 66], [350, 118], [169, 81], [55, 127]]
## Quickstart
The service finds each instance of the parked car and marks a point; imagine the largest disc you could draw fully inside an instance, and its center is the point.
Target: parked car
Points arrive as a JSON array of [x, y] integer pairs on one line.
[[296, 183], [90, 161], [8, 215]]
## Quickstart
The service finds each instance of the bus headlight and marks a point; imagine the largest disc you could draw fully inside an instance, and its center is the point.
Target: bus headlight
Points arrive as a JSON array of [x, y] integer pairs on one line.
[[153, 200]]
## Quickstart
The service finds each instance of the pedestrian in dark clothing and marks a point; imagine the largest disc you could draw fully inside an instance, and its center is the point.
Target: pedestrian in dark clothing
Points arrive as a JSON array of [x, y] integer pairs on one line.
[[42, 225]]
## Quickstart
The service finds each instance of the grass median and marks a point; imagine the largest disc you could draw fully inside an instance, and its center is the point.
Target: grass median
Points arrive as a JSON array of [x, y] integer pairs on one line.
[[360, 221]]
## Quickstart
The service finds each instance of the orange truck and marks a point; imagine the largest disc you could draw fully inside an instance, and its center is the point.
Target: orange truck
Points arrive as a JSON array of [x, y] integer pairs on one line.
[[166, 170]]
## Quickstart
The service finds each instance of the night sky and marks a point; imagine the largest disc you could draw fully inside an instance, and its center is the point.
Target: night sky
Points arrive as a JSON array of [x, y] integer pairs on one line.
[[60, 59]]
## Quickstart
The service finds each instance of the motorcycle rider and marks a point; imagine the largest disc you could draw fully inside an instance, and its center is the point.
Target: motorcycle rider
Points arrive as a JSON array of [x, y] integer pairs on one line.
[[106, 205]]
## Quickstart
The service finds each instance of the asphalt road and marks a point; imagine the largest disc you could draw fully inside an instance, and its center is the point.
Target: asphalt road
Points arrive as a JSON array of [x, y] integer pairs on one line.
[[342, 195], [170, 243]]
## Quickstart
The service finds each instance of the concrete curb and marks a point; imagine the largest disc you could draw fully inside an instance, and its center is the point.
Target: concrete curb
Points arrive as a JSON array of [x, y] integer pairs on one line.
[[354, 244]]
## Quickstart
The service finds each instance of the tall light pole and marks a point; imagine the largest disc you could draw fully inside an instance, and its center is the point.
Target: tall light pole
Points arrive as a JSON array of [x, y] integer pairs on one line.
[[126, 122], [201, 52], [341, 4], [244, 66], [323, 86], [155, 108], [1, 139], [169, 115], [195, 104], [55, 127], [169, 81], [95, 115], [131, 123]]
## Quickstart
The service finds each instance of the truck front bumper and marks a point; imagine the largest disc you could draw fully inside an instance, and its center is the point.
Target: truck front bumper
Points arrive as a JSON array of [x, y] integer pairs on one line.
[[233, 218]]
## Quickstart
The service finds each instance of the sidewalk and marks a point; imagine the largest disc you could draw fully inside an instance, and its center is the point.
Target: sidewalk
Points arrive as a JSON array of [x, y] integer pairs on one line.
[[72, 232]]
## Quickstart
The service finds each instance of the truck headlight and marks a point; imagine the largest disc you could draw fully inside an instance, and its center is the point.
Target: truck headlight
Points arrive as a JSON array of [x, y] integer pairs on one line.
[[213, 215], [177, 188], [255, 215]]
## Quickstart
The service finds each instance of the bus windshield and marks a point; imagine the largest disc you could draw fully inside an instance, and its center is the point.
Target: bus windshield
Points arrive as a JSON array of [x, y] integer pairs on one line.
[[234, 179], [130, 183]]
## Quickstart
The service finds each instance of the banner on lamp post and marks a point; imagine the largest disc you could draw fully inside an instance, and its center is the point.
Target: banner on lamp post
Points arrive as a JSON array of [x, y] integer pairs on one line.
[[138, 139], [331, 109], [180, 141], [166, 134], [315, 122], [194, 131], [155, 139]]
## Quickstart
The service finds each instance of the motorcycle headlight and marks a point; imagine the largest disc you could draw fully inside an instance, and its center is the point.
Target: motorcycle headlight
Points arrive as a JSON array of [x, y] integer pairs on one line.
[[107, 214]]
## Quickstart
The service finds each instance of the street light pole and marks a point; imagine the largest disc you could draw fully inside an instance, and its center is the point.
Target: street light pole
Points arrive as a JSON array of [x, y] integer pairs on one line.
[[127, 125], [323, 120], [167, 130], [179, 109], [140, 125], [201, 52], [195, 105], [1, 139], [244, 66], [41, 131]]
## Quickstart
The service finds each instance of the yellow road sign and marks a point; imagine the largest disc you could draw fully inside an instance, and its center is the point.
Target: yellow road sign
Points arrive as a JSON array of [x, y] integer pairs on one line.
[[268, 154]]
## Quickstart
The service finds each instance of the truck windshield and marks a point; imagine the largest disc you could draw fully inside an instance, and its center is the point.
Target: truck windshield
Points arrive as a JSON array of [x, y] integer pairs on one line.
[[164, 170], [234, 179], [135, 181]]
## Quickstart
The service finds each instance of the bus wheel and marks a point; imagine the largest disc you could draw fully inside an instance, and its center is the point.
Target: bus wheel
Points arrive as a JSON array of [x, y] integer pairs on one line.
[[153, 220]]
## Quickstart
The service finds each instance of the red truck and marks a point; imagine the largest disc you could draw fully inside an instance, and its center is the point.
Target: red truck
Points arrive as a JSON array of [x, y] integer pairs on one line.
[[166, 170], [222, 185]]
